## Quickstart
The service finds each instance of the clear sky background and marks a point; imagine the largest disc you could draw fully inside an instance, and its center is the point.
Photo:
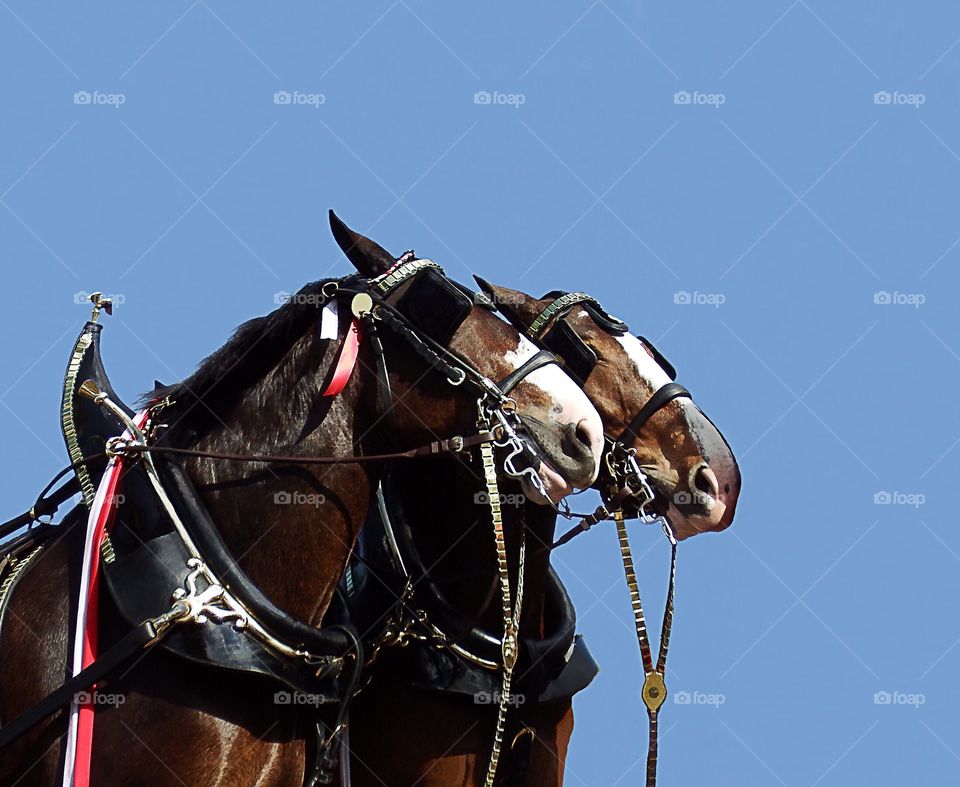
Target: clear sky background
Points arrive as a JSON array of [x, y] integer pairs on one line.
[[782, 162]]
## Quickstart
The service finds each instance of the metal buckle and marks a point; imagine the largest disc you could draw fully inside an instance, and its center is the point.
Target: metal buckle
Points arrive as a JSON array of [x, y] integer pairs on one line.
[[120, 447]]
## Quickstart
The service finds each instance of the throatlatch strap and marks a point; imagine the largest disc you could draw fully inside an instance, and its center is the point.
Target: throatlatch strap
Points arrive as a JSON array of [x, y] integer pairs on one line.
[[654, 689]]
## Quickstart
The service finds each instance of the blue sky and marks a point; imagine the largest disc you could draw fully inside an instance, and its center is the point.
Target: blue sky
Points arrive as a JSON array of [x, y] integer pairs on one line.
[[792, 167]]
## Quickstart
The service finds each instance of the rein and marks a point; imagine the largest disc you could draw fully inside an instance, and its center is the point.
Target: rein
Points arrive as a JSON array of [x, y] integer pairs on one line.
[[47, 506]]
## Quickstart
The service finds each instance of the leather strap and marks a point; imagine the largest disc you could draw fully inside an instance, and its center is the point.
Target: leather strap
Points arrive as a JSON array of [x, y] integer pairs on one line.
[[385, 403], [654, 691], [143, 636], [542, 358], [662, 396], [47, 506], [561, 304], [451, 444], [602, 514]]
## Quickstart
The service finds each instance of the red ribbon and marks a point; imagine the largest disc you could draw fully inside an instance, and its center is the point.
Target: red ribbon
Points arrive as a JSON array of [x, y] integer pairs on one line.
[[104, 521], [346, 361]]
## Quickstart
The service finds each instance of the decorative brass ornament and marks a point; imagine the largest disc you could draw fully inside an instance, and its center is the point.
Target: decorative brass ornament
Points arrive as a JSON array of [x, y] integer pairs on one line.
[[361, 305], [654, 691]]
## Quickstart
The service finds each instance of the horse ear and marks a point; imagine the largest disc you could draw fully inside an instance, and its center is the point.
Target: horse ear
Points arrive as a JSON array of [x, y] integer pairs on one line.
[[367, 256], [518, 307]]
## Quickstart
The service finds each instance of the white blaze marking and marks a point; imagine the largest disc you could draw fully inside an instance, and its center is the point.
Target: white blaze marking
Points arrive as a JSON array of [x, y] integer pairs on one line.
[[524, 351], [569, 404], [648, 369]]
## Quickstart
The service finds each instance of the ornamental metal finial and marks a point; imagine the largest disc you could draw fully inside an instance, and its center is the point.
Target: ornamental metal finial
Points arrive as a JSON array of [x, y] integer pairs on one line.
[[100, 302]]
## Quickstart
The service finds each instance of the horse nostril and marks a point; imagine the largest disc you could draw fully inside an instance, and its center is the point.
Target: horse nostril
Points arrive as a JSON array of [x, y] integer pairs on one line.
[[704, 481], [580, 446], [582, 433], [589, 437]]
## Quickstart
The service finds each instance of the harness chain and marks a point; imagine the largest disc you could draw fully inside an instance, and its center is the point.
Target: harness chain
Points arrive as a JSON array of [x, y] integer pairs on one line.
[[511, 618], [654, 689]]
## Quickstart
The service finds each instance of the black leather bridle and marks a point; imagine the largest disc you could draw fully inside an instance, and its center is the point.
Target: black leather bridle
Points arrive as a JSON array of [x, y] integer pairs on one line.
[[661, 397], [546, 330]]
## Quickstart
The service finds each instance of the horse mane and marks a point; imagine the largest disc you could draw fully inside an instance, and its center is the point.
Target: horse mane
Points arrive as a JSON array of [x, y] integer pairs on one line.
[[255, 348]]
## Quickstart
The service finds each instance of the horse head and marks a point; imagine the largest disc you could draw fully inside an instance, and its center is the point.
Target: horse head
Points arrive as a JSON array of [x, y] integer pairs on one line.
[[692, 470], [559, 429]]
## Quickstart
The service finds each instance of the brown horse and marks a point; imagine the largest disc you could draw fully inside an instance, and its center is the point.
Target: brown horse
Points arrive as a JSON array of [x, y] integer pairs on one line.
[[402, 735], [182, 723]]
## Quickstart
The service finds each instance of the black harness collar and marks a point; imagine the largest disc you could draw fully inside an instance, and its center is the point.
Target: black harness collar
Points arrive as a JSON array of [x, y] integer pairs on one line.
[[144, 560], [164, 546]]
